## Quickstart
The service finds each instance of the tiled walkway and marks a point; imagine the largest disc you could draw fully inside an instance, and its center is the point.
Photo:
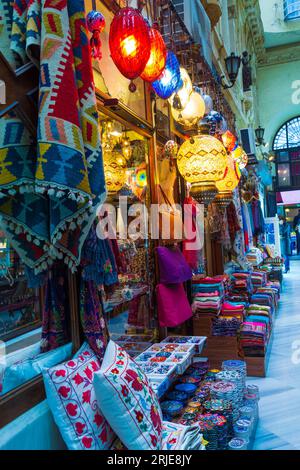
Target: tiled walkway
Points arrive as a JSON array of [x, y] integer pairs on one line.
[[279, 425]]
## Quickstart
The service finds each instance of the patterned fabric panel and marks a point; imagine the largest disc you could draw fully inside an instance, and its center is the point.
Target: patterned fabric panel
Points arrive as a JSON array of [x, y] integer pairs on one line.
[[72, 400], [128, 401]]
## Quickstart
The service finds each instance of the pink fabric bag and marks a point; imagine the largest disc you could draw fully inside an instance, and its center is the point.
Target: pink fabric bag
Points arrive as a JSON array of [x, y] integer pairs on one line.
[[173, 305]]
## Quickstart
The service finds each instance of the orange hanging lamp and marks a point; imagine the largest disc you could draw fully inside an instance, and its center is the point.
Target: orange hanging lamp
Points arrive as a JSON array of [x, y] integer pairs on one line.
[[158, 56], [228, 184], [129, 43]]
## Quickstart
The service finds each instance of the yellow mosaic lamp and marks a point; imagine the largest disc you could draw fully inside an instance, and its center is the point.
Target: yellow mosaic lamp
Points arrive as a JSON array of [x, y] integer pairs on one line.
[[192, 113], [180, 99], [240, 156], [115, 166], [228, 184], [202, 161]]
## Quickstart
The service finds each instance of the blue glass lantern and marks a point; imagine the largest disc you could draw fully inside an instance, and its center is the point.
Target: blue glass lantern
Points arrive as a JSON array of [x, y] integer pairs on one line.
[[170, 80]]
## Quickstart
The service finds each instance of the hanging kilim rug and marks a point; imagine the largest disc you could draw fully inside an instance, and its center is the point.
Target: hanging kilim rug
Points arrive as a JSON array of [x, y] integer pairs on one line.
[[50, 188]]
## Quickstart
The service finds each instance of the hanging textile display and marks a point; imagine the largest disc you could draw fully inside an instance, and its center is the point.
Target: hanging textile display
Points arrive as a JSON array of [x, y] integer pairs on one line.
[[92, 320], [56, 312], [51, 188]]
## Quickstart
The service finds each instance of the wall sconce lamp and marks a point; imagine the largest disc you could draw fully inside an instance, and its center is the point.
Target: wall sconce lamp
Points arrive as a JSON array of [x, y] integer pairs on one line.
[[259, 134], [232, 64]]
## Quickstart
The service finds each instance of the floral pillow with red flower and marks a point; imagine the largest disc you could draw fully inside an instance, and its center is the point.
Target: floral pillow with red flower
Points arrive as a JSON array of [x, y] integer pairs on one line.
[[127, 401], [72, 400]]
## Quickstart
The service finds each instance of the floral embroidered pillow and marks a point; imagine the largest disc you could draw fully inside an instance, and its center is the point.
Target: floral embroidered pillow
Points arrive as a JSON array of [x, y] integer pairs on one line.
[[127, 401], [72, 400]]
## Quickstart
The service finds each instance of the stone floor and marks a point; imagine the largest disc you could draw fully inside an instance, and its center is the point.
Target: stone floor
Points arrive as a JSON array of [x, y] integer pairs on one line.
[[279, 425]]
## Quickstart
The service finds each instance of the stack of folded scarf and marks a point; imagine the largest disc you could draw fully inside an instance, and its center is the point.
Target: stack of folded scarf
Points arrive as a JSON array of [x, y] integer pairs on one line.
[[259, 279], [260, 314], [208, 295], [241, 283], [253, 339], [229, 323], [207, 304], [263, 298]]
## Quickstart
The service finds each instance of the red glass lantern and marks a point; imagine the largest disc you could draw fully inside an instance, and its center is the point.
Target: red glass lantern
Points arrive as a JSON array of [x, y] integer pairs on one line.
[[129, 42], [229, 141], [158, 56]]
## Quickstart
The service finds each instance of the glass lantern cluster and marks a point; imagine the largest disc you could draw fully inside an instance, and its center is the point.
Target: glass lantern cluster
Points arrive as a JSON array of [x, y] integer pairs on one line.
[[212, 165]]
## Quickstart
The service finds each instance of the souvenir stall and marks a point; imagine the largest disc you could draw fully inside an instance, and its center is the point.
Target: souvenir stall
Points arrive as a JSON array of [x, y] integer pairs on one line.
[[117, 125]]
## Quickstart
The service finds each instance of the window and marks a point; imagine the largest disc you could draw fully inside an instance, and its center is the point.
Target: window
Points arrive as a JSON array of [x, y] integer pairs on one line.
[[287, 149], [291, 10]]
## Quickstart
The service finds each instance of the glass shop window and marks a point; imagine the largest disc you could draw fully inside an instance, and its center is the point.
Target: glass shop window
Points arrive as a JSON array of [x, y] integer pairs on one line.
[[283, 174], [23, 348], [126, 302]]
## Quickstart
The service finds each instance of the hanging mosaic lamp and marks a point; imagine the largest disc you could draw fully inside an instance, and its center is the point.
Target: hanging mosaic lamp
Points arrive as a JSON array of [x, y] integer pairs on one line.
[[115, 167], [170, 80], [129, 43], [243, 160], [180, 99], [202, 161], [228, 184], [96, 24], [229, 140], [171, 149], [158, 56], [192, 113], [209, 104]]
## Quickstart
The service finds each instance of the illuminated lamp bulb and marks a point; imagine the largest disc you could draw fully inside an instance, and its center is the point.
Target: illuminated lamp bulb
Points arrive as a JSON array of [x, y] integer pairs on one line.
[[180, 99], [202, 161], [158, 57], [129, 43], [170, 80], [192, 113]]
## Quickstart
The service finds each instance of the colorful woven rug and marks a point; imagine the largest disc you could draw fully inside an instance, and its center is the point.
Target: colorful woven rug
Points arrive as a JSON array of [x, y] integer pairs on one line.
[[50, 189]]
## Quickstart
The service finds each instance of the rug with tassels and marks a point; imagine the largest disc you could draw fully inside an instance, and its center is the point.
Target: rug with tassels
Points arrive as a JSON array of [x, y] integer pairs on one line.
[[50, 188]]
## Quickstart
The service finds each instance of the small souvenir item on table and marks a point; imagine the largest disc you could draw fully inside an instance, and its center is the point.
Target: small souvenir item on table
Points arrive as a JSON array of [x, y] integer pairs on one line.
[[186, 379], [242, 429], [195, 405], [253, 390], [171, 408], [178, 396], [237, 444], [189, 389], [198, 341]]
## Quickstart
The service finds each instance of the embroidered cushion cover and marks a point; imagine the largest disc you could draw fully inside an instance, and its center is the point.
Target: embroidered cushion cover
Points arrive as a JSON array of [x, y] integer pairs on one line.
[[127, 401], [72, 400]]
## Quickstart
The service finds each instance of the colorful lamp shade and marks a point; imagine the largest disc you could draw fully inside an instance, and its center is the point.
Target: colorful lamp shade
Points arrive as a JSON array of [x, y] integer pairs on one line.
[[192, 113], [232, 177], [243, 161], [209, 104], [229, 140], [96, 24], [115, 171], [180, 99], [170, 80], [158, 57], [202, 161], [129, 42]]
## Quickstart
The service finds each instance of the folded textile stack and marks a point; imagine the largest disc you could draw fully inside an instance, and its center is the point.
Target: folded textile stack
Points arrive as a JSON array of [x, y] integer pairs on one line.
[[208, 295], [254, 339], [259, 279], [261, 314], [241, 284], [230, 321], [207, 305], [179, 437], [272, 292], [223, 326], [263, 298], [255, 257]]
